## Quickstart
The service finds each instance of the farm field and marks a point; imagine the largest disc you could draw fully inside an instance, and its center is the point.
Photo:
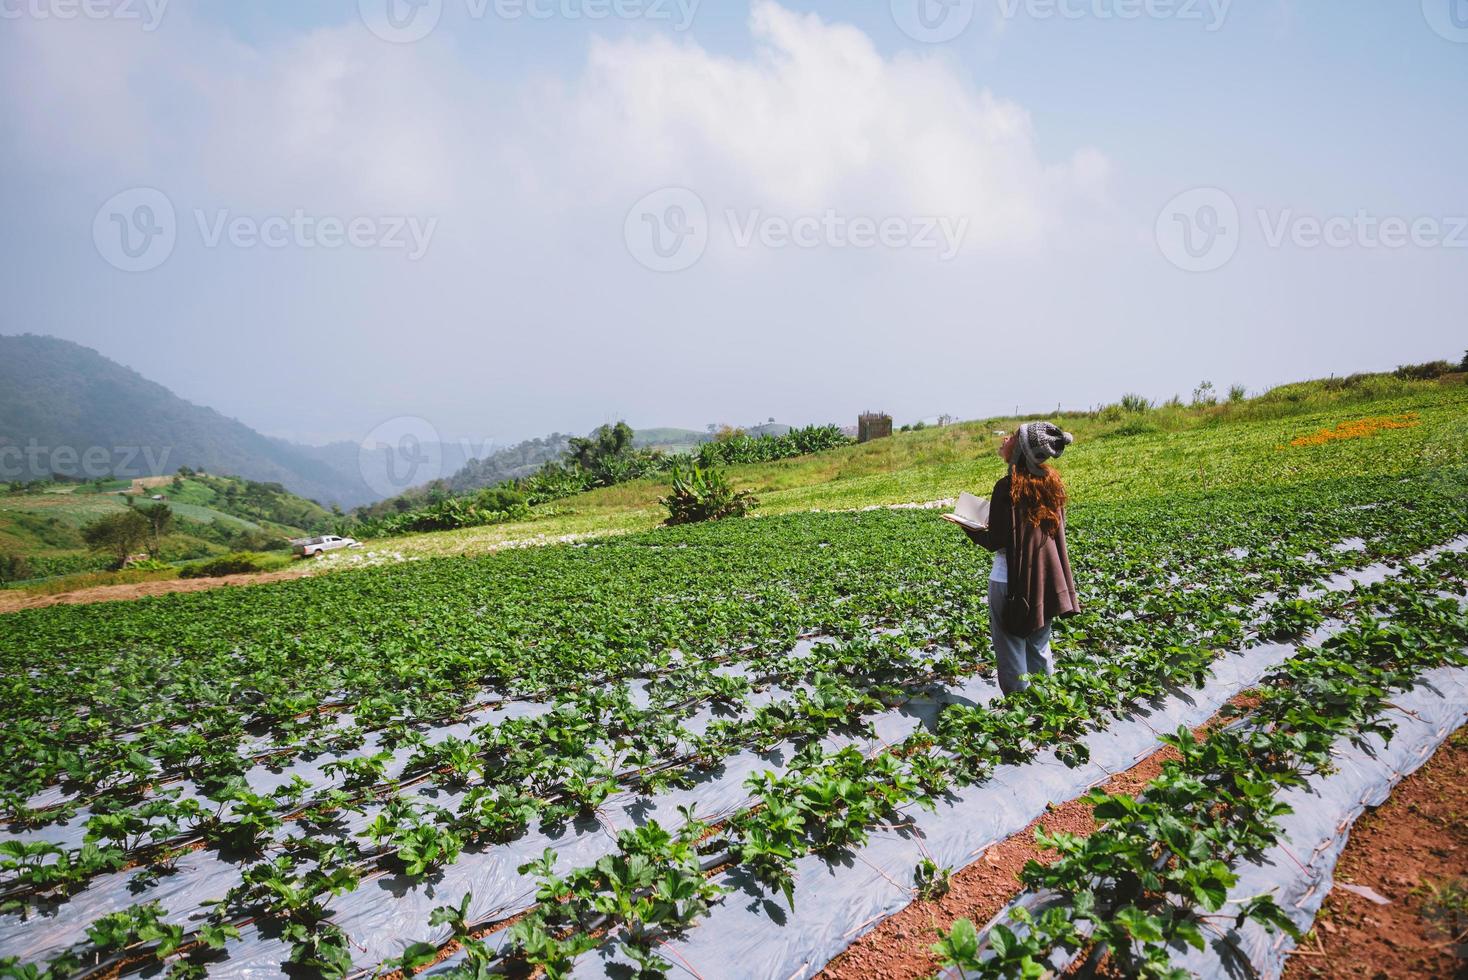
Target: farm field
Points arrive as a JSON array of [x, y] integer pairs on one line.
[[499, 493], [42, 527], [1227, 446], [749, 741]]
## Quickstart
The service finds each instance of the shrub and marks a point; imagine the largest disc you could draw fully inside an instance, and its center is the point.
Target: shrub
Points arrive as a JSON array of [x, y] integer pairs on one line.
[[1135, 404], [1343, 383], [1203, 396], [704, 494], [728, 432], [1237, 393], [117, 535], [495, 505], [1423, 372], [184, 549], [14, 568], [1131, 427], [257, 539], [741, 448], [1464, 365], [1362, 387], [48, 566], [236, 563]]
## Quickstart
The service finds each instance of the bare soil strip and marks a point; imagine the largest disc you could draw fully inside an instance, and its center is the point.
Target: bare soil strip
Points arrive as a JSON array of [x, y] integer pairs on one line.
[[899, 946], [11, 601], [1411, 851]]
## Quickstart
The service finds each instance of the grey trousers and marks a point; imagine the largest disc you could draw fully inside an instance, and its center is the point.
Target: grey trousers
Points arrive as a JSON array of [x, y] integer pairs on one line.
[[1016, 657]]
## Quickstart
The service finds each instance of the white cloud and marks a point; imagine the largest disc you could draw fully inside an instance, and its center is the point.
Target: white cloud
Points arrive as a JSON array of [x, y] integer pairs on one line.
[[531, 181], [816, 117], [819, 118]]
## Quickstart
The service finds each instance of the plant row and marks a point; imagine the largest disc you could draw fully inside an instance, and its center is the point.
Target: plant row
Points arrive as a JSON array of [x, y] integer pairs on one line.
[[194, 679], [1156, 875], [1168, 594], [828, 802]]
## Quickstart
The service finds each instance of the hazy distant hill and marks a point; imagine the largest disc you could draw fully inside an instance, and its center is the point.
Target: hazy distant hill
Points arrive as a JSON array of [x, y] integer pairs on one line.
[[520, 460], [60, 401], [65, 408], [669, 438]]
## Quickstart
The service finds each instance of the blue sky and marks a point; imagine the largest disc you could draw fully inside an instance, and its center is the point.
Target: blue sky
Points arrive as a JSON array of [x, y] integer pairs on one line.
[[522, 150]]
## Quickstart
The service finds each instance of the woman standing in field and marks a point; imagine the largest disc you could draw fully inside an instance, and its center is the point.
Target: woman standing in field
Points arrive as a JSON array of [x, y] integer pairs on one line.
[[1031, 582]]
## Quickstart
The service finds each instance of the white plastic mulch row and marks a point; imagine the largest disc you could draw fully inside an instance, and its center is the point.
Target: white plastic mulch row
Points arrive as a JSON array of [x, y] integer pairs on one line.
[[839, 900], [387, 912], [1300, 869]]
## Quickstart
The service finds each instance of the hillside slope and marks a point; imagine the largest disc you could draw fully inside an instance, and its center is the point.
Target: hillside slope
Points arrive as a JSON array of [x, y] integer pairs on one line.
[[1117, 455], [58, 400], [211, 514]]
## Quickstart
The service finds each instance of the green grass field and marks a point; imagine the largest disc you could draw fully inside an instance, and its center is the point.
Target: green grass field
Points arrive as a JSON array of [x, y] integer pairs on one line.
[[45, 527], [1202, 449]]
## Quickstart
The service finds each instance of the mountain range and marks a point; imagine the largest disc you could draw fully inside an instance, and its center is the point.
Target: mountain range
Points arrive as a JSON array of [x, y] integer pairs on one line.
[[67, 410]]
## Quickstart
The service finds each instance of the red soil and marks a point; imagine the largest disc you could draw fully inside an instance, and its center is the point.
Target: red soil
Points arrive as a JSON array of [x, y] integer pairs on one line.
[[10, 601], [1415, 842], [899, 946]]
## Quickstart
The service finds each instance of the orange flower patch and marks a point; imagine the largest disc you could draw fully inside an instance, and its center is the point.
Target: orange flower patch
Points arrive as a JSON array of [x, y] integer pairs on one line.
[[1358, 429]]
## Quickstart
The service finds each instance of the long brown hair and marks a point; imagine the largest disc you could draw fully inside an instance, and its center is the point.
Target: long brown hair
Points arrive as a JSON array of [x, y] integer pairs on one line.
[[1039, 499]]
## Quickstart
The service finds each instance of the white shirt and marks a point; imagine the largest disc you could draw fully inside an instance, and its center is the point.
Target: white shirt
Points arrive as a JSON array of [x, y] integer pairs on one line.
[[1001, 567]]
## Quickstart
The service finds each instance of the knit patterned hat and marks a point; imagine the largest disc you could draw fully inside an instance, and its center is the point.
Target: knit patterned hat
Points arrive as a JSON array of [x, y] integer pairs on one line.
[[1039, 441]]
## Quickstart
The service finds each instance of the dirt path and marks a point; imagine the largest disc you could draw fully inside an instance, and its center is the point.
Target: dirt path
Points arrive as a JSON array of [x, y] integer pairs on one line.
[[1412, 846], [898, 948], [12, 601]]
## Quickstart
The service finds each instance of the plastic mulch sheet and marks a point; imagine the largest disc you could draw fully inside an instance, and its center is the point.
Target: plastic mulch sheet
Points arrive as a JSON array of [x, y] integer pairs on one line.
[[838, 900], [835, 902], [1299, 870]]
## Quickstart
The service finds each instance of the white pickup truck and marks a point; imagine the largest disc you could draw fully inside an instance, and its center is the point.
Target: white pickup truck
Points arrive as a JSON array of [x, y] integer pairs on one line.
[[321, 544]]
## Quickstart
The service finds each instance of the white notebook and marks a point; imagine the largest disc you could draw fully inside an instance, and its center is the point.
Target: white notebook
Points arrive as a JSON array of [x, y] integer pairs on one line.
[[972, 511]]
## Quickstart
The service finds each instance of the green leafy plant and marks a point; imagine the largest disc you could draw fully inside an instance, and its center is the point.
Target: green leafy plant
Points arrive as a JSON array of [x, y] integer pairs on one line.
[[930, 880], [700, 494], [236, 563]]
